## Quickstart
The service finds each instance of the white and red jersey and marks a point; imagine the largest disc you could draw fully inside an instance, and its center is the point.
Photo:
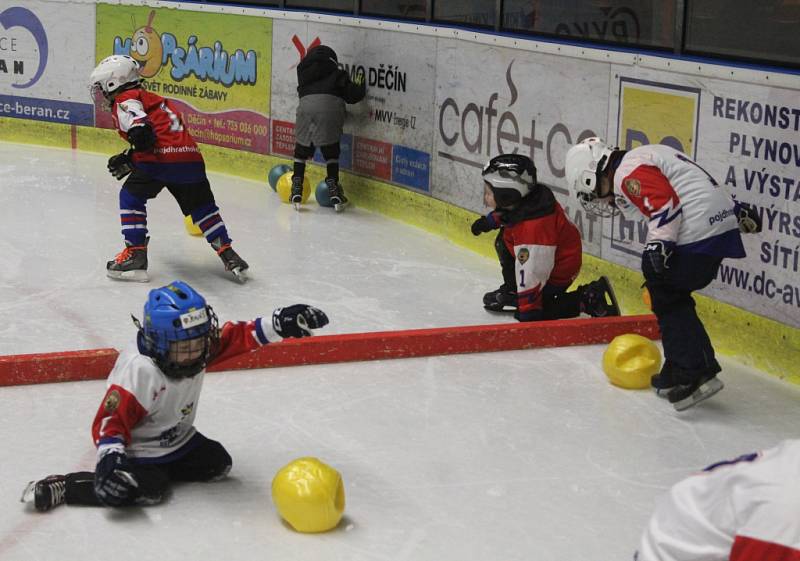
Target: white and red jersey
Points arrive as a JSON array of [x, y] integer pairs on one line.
[[150, 416], [747, 509], [175, 156], [547, 249], [682, 202]]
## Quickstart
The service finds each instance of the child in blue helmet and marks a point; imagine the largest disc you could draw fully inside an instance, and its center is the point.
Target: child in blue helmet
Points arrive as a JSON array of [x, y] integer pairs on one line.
[[144, 428]]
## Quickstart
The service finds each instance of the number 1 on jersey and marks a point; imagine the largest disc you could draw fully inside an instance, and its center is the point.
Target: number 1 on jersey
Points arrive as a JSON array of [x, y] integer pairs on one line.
[[175, 121]]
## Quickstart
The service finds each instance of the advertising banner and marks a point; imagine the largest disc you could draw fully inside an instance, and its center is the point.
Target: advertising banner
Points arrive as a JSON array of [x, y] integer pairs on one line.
[[215, 66], [746, 137], [493, 100], [391, 131], [46, 56]]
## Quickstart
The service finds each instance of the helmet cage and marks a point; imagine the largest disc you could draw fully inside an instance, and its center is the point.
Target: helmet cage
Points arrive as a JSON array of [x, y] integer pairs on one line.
[[160, 344], [586, 161], [177, 313]]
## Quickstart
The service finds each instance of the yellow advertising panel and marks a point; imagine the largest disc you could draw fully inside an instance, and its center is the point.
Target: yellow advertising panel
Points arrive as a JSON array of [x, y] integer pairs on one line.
[[653, 113], [215, 66]]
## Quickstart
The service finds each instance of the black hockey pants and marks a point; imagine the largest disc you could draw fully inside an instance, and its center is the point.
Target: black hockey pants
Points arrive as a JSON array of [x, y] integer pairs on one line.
[[686, 344], [205, 460]]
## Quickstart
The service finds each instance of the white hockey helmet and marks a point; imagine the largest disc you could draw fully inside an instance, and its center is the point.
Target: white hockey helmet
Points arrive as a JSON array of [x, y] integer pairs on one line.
[[585, 162], [510, 177], [113, 73]]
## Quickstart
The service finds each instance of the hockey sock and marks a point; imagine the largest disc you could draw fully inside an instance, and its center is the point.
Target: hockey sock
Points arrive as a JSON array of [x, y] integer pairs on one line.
[[332, 168], [299, 168], [133, 217], [210, 222]]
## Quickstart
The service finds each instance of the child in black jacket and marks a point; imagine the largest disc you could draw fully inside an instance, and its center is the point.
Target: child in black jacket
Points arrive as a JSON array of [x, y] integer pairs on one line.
[[324, 89]]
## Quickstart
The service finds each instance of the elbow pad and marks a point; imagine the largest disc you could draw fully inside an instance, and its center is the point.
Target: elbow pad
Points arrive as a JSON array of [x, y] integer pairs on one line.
[[142, 137]]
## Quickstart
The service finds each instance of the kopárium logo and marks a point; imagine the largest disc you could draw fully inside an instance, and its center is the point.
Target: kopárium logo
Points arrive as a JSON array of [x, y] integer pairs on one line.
[[152, 50]]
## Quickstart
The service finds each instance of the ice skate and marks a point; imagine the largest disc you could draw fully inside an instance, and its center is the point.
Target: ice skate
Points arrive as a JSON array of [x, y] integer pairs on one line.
[[336, 194], [684, 396], [130, 264], [598, 299], [663, 382], [233, 263], [46, 493], [296, 197], [504, 299]]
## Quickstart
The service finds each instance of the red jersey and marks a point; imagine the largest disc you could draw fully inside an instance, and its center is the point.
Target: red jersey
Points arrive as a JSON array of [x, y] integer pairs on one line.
[[175, 157], [547, 251]]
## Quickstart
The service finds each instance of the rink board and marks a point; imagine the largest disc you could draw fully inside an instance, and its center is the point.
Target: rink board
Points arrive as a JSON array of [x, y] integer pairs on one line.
[[96, 364]]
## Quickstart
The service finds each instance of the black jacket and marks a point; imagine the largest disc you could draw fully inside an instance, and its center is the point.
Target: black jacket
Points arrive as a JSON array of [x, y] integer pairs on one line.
[[319, 73], [539, 202]]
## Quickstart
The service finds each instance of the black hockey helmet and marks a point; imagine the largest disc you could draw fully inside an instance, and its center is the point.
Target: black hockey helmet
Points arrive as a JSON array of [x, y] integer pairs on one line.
[[510, 177]]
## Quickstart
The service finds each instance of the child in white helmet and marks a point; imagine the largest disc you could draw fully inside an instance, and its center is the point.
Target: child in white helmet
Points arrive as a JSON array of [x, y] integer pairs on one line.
[[162, 154], [693, 224]]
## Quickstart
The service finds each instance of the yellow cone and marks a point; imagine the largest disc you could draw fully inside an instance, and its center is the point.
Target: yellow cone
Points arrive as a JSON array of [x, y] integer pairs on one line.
[[191, 228], [309, 495], [630, 360]]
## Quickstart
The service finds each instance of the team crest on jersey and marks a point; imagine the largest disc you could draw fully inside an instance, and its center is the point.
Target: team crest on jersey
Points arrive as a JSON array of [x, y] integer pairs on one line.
[[633, 187], [523, 256], [112, 401]]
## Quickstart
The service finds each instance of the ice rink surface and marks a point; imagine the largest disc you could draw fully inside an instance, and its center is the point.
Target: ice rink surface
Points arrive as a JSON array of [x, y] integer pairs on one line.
[[526, 455]]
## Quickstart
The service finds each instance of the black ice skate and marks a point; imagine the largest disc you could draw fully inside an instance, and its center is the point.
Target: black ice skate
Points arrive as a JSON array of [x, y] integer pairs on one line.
[[130, 264], [598, 299], [233, 263], [46, 493], [684, 396], [504, 299], [336, 194], [296, 197]]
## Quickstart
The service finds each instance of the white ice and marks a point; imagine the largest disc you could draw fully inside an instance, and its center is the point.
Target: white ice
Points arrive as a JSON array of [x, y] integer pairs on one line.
[[527, 455]]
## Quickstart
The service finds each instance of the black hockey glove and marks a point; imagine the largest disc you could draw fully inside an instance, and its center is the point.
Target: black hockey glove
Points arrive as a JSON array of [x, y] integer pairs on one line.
[[298, 320], [142, 137], [481, 225], [655, 258], [114, 485], [748, 218], [120, 165]]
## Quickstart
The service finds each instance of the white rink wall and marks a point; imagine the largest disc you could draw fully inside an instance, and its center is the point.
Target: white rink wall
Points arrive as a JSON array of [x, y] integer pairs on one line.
[[441, 101]]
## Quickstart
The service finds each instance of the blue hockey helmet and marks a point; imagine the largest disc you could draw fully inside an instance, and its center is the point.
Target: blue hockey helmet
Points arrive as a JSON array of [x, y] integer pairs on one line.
[[180, 330]]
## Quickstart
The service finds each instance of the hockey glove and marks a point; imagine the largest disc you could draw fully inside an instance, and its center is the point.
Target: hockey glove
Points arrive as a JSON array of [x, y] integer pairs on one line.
[[142, 137], [481, 225], [298, 320], [655, 258], [120, 165], [748, 218], [114, 485]]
